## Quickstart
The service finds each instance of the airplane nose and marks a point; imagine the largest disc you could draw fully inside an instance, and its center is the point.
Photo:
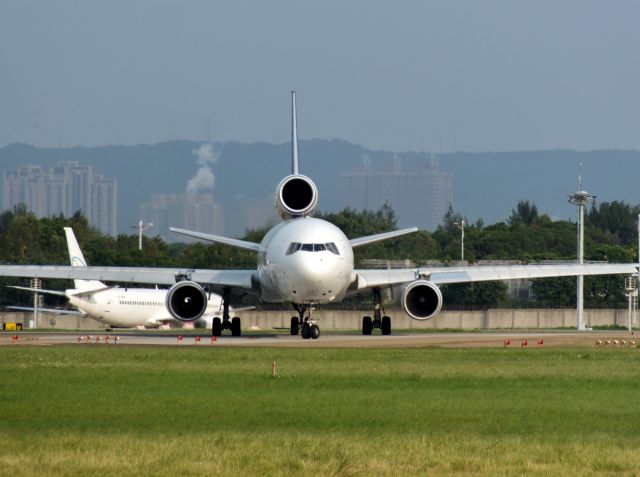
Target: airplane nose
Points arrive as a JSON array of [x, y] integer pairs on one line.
[[312, 268], [313, 277]]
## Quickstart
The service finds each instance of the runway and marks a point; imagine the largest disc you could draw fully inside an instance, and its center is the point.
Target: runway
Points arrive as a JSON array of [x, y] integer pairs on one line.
[[516, 339]]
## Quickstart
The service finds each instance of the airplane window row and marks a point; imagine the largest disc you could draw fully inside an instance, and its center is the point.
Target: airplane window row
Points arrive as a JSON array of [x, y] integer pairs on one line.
[[312, 247], [139, 303]]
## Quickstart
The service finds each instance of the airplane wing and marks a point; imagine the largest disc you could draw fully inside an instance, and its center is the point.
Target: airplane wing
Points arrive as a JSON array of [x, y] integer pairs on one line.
[[444, 275], [237, 279]]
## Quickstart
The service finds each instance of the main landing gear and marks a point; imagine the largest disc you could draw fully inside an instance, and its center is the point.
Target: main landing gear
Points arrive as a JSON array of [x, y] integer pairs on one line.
[[217, 325], [378, 321], [304, 325]]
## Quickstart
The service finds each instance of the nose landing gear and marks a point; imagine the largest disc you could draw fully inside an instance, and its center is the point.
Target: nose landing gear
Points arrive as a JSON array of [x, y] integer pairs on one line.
[[304, 325]]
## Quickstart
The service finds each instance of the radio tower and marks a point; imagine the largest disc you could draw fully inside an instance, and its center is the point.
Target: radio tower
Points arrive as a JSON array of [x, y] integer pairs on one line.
[[580, 198]]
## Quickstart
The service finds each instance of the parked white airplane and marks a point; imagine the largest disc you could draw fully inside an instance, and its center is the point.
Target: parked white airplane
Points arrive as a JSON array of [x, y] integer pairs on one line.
[[307, 262], [120, 307]]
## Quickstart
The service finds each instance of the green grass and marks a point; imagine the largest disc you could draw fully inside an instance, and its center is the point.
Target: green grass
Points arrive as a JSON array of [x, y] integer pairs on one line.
[[118, 410]]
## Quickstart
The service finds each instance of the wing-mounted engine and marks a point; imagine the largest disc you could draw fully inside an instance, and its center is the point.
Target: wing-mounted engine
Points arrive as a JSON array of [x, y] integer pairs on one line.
[[186, 301], [421, 300], [296, 196]]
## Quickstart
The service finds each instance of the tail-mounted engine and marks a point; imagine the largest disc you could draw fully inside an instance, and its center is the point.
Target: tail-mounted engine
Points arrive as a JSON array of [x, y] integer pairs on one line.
[[421, 300], [186, 301], [296, 196]]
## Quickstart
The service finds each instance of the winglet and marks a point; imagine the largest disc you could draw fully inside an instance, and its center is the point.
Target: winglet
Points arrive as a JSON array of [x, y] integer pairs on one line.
[[294, 135]]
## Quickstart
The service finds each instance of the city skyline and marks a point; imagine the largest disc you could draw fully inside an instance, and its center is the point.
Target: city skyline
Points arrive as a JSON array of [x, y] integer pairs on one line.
[[419, 197], [247, 174], [63, 189]]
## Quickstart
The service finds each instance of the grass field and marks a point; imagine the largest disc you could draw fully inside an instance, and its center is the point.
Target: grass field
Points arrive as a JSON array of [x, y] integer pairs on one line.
[[98, 410]]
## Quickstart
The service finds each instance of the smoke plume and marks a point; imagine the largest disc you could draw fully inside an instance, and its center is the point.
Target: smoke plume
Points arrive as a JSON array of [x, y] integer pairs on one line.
[[204, 178]]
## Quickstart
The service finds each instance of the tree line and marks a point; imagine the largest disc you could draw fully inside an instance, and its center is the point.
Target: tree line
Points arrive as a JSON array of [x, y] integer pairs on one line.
[[526, 236]]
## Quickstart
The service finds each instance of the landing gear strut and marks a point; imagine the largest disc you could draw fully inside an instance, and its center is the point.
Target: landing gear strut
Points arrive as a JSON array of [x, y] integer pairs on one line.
[[379, 321], [226, 323], [304, 325]]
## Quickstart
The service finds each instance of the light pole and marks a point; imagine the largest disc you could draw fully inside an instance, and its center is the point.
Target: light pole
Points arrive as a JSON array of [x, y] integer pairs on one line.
[[460, 225], [36, 284], [580, 198], [631, 287], [141, 227], [635, 317]]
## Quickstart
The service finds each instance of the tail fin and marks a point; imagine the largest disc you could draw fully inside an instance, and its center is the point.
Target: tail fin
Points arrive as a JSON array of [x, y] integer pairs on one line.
[[77, 260], [294, 135]]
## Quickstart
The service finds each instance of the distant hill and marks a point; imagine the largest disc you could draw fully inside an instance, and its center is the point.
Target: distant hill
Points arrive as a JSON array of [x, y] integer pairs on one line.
[[486, 185]]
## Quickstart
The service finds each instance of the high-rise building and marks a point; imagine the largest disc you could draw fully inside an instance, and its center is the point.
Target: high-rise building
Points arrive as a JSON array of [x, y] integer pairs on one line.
[[64, 188], [104, 203], [244, 214], [198, 212], [419, 198]]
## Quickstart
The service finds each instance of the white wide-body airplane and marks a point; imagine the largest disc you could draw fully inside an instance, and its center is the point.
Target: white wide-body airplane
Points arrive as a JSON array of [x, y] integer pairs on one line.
[[307, 262], [119, 307]]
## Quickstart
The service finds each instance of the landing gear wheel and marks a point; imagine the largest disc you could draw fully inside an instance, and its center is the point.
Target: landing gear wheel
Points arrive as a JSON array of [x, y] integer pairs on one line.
[[216, 327], [314, 332], [385, 325], [295, 325], [367, 325], [305, 332], [235, 327]]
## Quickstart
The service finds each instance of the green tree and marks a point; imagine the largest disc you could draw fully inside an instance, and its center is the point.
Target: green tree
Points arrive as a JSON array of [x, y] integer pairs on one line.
[[451, 221], [478, 295], [359, 224], [557, 292], [525, 213], [616, 219]]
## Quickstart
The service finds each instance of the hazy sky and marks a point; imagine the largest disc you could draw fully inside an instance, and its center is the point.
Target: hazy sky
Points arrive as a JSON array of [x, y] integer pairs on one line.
[[403, 75]]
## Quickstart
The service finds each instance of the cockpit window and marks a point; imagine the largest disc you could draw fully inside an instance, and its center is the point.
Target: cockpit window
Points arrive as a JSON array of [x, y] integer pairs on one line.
[[312, 247], [332, 248], [293, 247]]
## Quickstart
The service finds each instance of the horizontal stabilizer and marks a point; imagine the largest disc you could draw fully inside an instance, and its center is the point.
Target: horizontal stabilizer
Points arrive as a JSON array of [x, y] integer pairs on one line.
[[39, 290], [244, 308], [57, 311], [218, 239], [61, 293], [358, 242]]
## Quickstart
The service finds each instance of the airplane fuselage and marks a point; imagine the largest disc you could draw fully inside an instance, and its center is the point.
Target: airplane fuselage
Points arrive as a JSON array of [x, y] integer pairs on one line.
[[133, 307], [305, 261]]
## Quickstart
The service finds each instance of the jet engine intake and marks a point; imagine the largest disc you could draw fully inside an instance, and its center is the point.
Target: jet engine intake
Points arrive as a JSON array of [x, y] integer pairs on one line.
[[296, 196], [186, 301], [421, 300]]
